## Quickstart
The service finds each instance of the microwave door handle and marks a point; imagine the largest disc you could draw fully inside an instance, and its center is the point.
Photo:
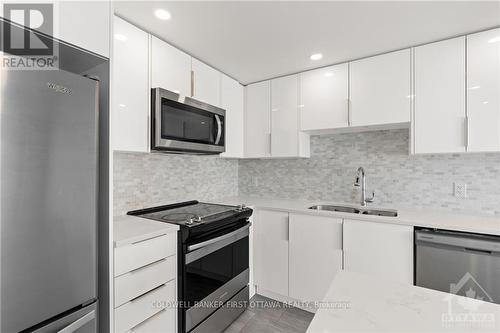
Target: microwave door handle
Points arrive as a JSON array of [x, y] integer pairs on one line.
[[219, 129]]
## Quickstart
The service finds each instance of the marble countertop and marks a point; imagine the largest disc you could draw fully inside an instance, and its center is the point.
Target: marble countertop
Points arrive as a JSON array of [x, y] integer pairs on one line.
[[485, 224], [130, 229], [358, 303]]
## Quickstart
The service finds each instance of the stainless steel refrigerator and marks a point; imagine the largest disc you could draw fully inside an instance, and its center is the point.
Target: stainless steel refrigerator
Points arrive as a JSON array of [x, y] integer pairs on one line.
[[49, 202]]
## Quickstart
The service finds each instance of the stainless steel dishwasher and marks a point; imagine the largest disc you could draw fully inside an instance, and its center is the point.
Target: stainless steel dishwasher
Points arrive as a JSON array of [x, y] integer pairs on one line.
[[461, 263]]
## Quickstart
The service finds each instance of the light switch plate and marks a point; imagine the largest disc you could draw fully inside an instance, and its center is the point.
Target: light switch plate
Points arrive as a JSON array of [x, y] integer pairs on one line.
[[460, 190]]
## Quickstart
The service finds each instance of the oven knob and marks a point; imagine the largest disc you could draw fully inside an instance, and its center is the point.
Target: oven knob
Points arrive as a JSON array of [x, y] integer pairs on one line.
[[195, 219]]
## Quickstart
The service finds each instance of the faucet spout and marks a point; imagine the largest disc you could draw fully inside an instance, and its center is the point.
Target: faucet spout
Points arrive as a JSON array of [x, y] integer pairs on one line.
[[361, 181]]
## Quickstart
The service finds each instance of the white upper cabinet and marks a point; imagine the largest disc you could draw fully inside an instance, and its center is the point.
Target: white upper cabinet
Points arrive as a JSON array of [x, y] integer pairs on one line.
[[170, 68], [232, 100], [85, 24], [258, 120], [324, 98], [206, 83], [483, 91], [286, 140], [315, 257], [130, 107], [380, 249], [439, 109], [380, 89]]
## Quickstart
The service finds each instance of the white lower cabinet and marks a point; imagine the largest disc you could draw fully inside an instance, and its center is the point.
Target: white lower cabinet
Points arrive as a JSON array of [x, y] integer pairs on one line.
[[379, 249], [145, 285], [271, 251], [315, 255]]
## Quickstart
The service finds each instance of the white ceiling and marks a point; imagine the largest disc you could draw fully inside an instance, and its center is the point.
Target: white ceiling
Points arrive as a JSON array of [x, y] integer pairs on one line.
[[256, 40]]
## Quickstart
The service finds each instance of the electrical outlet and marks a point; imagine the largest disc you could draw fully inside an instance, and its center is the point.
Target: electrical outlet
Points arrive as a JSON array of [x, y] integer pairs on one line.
[[460, 190]]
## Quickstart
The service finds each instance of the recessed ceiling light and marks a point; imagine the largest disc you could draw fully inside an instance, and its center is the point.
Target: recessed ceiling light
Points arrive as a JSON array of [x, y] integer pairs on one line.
[[316, 56], [328, 74], [162, 14], [494, 40], [120, 37], [474, 87]]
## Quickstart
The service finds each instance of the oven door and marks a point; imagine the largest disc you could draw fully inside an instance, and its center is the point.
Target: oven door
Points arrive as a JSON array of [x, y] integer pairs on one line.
[[215, 271], [183, 124]]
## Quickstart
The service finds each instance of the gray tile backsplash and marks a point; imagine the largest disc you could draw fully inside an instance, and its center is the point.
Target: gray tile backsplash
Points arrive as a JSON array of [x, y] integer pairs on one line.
[[419, 181], [142, 180], [145, 180]]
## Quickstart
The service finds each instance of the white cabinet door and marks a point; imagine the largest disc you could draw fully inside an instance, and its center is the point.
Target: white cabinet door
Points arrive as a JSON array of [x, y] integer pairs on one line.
[[258, 120], [206, 83], [380, 249], [130, 109], [324, 98], [439, 116], [286, 139], [271, 251], [483, 93], [232, 100], [380, 89], [86, 24], [315, 255], [170, 68]]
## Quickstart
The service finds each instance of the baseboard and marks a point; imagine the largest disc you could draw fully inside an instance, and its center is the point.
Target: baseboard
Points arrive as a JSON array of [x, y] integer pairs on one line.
[[284, 299]]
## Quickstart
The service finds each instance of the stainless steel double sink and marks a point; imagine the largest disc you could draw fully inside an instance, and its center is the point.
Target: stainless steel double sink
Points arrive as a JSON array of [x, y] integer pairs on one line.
[[355, 210]]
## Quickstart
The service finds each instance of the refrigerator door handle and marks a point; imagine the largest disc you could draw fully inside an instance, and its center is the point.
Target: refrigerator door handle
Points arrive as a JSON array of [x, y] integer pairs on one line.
[[78, 323]]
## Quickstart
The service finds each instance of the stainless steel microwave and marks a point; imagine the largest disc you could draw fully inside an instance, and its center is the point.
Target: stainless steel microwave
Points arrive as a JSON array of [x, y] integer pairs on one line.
[[184, 125]]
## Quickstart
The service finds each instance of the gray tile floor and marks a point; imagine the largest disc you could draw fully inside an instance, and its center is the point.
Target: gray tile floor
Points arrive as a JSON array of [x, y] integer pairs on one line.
[[268, 316]]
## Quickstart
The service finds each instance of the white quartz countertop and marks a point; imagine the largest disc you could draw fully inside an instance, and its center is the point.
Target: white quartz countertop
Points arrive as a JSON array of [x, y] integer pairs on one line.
[[484, 224], [130, 229], [358, 303]]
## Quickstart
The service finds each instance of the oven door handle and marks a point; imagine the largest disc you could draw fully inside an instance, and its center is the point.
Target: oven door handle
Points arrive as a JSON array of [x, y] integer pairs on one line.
[[200, 250], [218, 239]]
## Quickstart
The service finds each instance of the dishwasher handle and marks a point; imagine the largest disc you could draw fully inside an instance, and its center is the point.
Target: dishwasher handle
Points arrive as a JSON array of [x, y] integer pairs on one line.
[[466, 242]]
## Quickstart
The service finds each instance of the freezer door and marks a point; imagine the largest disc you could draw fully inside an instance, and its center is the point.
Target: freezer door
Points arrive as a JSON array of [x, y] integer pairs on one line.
[[48, 166]]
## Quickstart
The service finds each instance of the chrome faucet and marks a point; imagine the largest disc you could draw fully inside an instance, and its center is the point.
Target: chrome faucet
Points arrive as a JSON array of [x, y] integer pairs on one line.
[[364, 199]]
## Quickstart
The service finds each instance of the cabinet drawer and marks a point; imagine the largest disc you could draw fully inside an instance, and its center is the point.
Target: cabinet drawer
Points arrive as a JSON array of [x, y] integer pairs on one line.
[[138, 310], [142, 253], [141, 280], [161, 322]]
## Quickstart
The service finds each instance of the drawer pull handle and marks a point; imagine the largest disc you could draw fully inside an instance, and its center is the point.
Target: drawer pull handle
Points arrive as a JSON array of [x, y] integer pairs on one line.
[[145, 320], [145, 266], [145, 240], [144, 294]]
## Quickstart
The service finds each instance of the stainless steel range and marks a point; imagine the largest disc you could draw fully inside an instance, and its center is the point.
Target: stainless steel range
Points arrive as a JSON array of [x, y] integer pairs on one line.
[[213, 267]]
